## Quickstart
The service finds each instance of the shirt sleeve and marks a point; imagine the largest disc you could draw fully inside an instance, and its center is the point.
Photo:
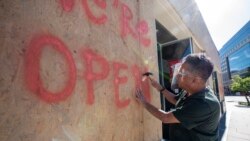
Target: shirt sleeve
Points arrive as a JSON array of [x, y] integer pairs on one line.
[[192, 113]]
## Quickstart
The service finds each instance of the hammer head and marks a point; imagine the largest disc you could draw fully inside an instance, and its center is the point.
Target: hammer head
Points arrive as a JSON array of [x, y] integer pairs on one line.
[[145, 75]]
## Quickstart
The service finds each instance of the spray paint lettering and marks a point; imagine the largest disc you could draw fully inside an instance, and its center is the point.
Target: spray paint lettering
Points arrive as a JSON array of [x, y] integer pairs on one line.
[[67, 5], [89, 56], [32, 65], [144, 85], [97, 20], [118, 81], [138, 32], [115, 3], [35, 84]]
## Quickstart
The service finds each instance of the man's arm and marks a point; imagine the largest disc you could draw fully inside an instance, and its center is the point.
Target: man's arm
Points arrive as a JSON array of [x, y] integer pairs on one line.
[[167, 94], [165, 117]]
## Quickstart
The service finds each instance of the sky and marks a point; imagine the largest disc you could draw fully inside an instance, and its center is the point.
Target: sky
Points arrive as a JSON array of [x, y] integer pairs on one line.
[[224, 18]]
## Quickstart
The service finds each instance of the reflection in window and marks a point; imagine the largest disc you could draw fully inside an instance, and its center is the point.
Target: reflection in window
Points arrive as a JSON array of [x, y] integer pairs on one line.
[[239, 61]]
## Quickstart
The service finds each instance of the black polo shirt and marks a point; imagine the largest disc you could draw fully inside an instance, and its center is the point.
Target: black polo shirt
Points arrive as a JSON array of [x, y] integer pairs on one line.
[[199, 115]]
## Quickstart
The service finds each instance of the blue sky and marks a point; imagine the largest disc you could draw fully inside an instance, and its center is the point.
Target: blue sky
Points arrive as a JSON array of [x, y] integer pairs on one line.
[[224, 18]]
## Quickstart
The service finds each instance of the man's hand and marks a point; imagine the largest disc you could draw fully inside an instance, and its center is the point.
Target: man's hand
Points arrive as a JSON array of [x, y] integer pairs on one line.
[[156, 85], [165, 117], [139, 96]]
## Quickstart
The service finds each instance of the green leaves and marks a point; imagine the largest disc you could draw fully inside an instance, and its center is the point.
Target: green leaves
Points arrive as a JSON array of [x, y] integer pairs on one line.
[[240, 85]]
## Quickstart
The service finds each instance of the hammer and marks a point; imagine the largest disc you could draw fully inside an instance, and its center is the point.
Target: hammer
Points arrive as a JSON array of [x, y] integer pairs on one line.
[[145, 75]]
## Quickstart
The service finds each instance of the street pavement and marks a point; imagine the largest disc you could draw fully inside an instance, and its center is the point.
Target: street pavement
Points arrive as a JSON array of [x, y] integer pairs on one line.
[[235, 123]]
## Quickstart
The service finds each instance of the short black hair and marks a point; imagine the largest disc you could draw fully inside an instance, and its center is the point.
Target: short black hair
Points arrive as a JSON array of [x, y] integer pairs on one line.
[[200, 65]]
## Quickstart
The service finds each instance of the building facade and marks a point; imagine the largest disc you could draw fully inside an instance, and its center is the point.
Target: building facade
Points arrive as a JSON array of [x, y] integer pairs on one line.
[[235, 57], [69, 68]]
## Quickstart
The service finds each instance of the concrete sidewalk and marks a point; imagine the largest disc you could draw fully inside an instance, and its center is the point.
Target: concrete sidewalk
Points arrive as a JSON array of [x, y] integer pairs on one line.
[[235, 123]]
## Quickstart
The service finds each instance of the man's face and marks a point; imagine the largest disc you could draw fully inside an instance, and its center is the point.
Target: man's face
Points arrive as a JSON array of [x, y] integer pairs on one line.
[[184, 77]]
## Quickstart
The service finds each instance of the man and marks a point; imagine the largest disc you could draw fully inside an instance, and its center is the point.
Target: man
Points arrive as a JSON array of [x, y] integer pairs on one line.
[[197, 110]]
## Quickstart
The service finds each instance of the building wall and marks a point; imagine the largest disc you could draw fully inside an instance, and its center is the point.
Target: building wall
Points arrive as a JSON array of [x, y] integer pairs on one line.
[[241, 40], [69, 68]]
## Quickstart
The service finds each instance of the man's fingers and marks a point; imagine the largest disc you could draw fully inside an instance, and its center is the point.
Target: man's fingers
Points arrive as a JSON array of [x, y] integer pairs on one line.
[[138, 93], [153, 82], [138, 90]]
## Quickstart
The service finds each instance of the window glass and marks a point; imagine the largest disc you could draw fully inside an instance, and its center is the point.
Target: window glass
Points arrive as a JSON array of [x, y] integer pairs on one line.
[[240, 61]]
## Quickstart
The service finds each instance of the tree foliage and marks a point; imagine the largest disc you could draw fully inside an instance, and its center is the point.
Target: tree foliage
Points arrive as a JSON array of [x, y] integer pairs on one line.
[[241, 85]]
